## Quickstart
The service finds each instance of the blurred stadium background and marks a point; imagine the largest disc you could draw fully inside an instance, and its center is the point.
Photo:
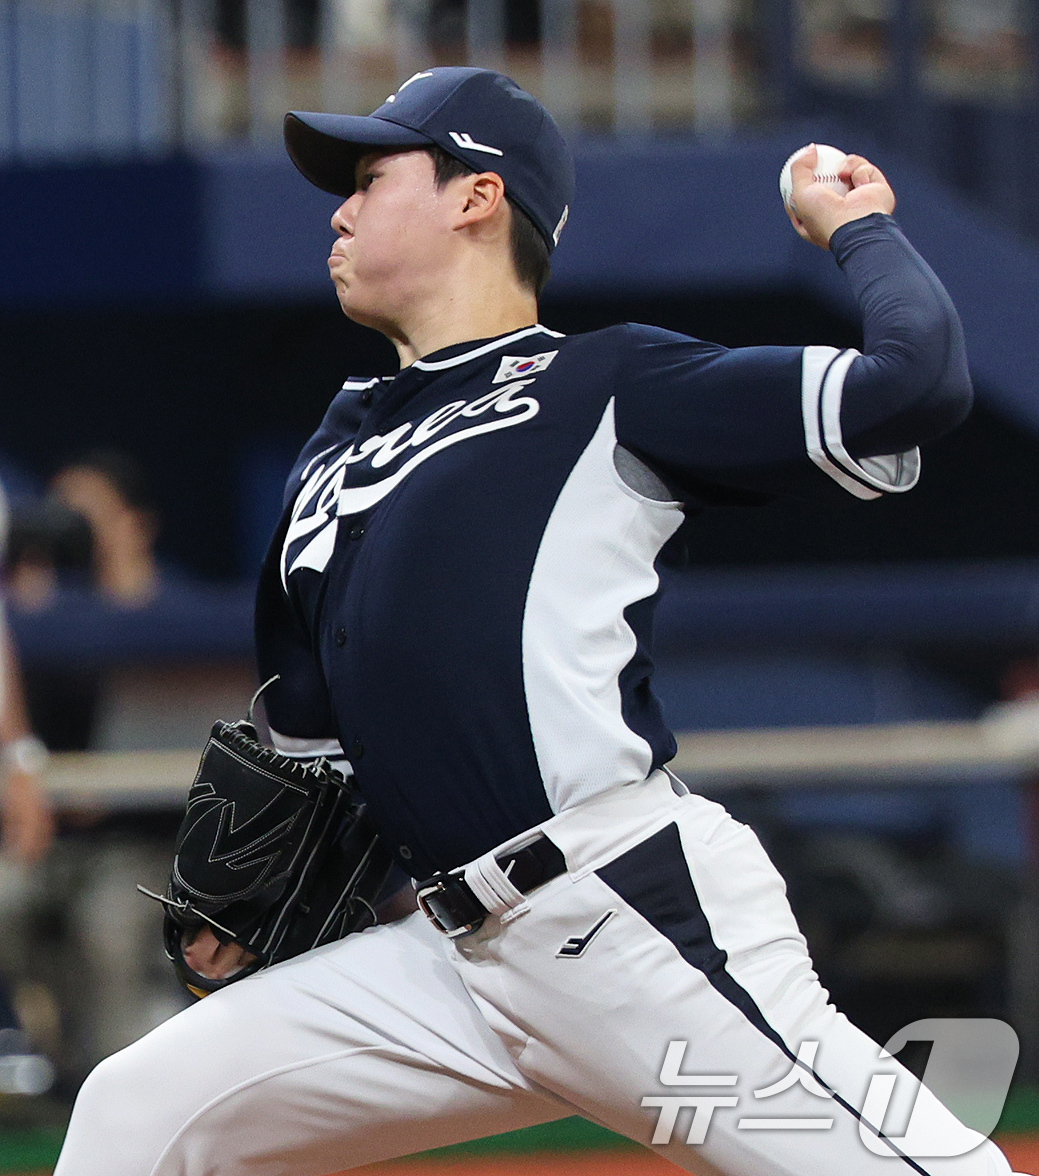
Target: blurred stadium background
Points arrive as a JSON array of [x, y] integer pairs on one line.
[[860, 683]]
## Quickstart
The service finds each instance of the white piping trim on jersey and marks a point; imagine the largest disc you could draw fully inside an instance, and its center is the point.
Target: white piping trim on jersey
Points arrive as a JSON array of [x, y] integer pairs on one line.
[[439, 365], [824, 370], [895, 472]]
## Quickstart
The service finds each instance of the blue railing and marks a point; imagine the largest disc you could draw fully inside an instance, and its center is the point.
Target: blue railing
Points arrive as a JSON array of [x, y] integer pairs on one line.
[[950, 84], [88, 81]]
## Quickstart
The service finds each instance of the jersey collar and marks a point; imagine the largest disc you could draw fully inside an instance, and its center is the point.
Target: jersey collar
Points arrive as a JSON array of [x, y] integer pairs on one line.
[[459, 353]]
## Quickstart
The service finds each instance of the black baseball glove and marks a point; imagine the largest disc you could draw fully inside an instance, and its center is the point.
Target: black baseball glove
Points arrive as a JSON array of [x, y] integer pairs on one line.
[[273, 854]]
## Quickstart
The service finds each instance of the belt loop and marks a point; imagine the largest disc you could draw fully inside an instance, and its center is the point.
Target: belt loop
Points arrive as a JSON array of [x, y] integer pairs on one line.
[[492, 887]]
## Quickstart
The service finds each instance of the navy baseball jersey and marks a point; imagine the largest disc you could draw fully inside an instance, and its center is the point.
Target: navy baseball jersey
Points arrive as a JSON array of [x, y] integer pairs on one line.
[[459, 597]]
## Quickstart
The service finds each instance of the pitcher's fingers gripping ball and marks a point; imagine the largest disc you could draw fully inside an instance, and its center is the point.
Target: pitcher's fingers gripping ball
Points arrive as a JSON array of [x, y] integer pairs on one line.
[[829, 168], [822, 189]]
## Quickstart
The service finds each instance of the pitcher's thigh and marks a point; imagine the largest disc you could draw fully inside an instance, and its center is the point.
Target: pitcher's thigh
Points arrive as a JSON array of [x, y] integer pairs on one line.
[[711, 908], [365, 1050], [687, 938]]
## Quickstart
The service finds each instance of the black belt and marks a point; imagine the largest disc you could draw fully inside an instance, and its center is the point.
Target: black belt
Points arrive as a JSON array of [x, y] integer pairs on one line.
[[452, 907]]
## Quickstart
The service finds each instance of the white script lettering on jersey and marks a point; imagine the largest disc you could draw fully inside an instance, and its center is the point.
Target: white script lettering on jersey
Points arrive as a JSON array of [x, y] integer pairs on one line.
[[324, 499]]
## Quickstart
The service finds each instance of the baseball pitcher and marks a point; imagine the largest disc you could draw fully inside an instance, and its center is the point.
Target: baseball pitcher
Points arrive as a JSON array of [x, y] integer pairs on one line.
[[457, 613]]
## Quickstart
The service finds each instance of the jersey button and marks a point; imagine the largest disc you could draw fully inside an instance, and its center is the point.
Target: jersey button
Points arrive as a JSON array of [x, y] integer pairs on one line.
[[405, 852], [366, 397], [356, 750], [340, 637], [356, 531]]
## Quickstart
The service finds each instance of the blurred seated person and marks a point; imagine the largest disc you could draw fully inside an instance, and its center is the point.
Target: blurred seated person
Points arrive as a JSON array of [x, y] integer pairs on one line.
[[28, 824], [26, 837], [26, 834], [49, 548], [25, 812], [126, 986], [50, 552], [107, 489], [94, 533]]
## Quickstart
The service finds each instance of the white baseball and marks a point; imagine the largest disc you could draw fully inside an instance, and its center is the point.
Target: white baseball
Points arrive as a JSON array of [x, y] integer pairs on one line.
[[827, 171]]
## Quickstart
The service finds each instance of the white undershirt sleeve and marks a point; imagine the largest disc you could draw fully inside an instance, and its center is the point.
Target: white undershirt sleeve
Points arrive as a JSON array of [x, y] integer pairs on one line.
[[312, 749]]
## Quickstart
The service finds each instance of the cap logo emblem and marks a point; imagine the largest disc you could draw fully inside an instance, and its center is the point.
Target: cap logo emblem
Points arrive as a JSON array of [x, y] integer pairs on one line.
[[463, 139], [404, 85], [562, 223]]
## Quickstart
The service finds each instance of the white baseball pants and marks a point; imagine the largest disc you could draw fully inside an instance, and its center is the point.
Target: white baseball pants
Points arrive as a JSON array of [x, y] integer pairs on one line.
[[670, 925]]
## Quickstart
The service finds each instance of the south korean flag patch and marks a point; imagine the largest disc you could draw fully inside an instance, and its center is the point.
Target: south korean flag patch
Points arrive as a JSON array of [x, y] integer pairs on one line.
[[514, 367]]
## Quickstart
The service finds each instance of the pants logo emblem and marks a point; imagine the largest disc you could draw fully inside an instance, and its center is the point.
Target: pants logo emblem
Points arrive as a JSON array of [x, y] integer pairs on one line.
[[577, 945]]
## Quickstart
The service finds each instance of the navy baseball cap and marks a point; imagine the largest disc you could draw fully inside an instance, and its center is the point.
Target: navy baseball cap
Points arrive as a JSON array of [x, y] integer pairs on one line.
[[480, 117]]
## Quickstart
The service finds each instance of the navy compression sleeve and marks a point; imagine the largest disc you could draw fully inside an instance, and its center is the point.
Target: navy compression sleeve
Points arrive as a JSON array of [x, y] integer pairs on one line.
[[911, 383]]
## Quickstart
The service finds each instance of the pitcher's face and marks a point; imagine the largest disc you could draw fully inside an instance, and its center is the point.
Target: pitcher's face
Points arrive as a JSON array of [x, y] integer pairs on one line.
[[393, 234]]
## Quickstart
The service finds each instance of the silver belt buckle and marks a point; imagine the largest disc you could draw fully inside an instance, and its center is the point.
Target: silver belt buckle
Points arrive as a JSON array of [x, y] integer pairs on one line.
[[440, 886]]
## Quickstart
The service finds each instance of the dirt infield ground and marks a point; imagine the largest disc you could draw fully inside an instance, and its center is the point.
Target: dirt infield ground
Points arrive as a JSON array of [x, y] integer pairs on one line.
[[1022, 1151], [1023, 1154]]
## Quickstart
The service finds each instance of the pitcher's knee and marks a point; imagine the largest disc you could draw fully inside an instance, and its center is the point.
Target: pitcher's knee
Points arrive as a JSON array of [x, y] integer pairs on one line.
[[128, 1109], [119, 1092]]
